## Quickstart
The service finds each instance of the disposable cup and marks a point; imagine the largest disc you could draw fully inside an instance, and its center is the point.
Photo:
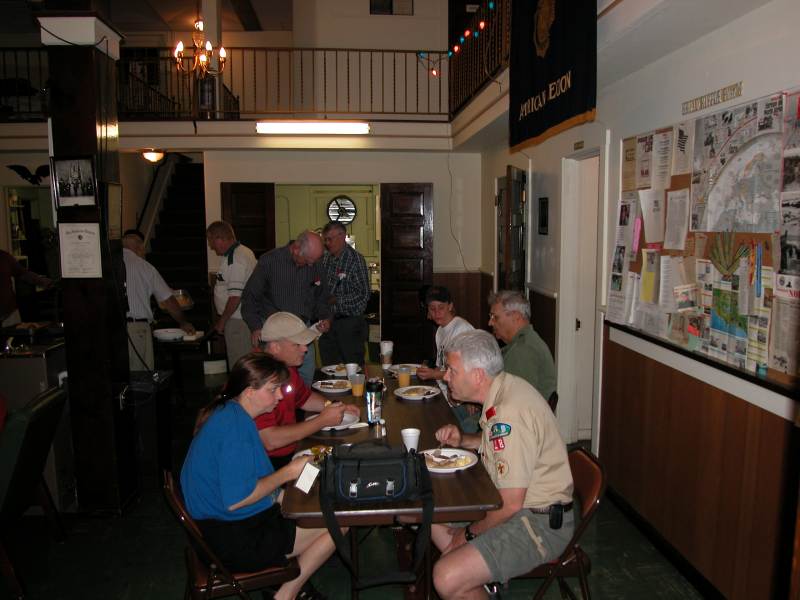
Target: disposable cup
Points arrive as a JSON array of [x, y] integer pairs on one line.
[[387, 347], [352, 368], [410, 438], [357, 382]]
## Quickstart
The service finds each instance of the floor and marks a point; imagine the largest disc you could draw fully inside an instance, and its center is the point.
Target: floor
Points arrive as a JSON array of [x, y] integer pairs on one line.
[[140, 555]]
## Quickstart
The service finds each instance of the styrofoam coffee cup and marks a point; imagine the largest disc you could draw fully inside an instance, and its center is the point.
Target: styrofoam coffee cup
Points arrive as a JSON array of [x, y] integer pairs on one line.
[[410, 438], [386, 347], [352, 368]]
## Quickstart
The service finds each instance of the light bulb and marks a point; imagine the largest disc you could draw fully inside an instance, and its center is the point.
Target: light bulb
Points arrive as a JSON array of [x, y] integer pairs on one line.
[[222, 54]]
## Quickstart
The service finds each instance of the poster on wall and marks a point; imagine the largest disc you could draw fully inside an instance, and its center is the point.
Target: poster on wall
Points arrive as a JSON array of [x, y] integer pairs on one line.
[[553, 68]]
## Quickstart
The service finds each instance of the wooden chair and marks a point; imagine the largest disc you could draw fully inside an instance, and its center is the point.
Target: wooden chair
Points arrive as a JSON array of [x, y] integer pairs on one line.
[[24, 446], [207, 577], [590, 483]]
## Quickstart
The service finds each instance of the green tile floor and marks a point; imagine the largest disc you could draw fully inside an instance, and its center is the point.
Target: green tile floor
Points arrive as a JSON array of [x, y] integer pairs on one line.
[[140, 554]]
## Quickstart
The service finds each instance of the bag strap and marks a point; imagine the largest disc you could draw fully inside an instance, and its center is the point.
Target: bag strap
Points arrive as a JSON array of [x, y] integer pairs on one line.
[[420, 547]]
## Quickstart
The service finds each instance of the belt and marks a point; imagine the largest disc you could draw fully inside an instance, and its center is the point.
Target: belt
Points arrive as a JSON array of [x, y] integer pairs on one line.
[[132, 320], [543, 510], [337, 317]]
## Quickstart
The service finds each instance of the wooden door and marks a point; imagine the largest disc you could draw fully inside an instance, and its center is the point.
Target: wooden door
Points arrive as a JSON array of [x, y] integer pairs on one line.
[[250, 208], [406, 266]]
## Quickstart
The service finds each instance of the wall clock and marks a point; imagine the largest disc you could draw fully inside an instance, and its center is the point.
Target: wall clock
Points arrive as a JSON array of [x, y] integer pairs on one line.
[[342, 209]]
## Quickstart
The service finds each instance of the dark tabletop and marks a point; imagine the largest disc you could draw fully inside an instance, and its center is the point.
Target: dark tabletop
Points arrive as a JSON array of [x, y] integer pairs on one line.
[[462, 496]]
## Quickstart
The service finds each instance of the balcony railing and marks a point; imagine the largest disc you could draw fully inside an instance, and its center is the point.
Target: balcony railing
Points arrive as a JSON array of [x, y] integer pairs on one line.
[[23, 78]]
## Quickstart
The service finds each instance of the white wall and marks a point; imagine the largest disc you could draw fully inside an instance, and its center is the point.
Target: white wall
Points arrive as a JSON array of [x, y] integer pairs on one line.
[[348, 24], [456, 205]]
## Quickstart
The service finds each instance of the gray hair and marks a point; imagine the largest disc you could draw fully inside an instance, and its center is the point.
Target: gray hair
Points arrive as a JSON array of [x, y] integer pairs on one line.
[[478, 350], [303, 240], [512, 301]]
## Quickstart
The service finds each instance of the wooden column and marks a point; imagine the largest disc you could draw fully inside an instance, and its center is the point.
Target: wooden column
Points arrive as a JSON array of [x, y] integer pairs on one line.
[[83, 121]]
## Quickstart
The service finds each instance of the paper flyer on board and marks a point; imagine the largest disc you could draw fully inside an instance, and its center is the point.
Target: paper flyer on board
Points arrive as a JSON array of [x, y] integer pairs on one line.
[[784, 343], [705, 276], [644, 161], [757, 340], [652, 203], [648, 292], [626, 223], [790, 233], [668, 279], [682, 148], [677, 220], [629, 164], [633, 285], [662, 158]]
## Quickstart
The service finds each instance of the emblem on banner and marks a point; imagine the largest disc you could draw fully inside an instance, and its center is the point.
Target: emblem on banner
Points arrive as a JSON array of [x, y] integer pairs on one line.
[[542, 22]]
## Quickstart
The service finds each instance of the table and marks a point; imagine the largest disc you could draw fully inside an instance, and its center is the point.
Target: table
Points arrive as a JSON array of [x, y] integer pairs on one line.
[[461, 496]]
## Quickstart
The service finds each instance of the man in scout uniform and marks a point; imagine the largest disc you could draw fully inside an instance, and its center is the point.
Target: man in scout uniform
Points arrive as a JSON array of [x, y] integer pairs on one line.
[[522, 450]]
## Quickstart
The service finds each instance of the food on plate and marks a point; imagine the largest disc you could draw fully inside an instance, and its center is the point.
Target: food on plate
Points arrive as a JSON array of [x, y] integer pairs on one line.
[[328, 403], [320, 452], [334, 385], [416, 392], [30, 325], [341, 369], [447, 462]]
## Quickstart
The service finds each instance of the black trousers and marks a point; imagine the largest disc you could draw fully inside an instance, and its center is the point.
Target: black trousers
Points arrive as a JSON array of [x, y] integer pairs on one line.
[[344, 343]]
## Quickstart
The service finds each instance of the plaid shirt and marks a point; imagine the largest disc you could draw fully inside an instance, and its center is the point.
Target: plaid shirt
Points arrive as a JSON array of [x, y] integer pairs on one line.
[[348, 281]]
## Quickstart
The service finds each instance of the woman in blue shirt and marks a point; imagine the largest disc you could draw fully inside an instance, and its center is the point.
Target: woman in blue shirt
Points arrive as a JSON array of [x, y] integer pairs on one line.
[[231, 489]]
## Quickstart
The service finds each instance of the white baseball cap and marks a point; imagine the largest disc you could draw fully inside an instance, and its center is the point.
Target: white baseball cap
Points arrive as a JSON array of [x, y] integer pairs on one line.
[[286, 326]]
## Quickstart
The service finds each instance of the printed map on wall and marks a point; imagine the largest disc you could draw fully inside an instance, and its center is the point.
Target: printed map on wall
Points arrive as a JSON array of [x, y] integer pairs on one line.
[[736, 177]]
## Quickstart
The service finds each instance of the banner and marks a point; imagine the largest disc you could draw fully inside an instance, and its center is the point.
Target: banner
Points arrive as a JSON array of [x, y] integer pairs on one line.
[[553, 68]]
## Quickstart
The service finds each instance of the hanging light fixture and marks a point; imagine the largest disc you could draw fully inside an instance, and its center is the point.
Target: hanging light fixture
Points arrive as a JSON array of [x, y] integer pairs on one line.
[[202, 54], [152, 155]]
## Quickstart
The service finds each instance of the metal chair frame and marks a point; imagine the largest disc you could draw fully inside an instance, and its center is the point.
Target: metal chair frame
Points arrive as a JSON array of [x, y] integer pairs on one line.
[[218, 581]]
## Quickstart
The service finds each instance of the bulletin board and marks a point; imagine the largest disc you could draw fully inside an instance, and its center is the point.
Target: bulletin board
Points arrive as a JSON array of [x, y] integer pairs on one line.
[[707, 237]]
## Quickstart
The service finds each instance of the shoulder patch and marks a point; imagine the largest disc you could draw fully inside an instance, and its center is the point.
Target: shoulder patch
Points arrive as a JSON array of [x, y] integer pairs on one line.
[[498, 444], [502, 468], [490, 413], [499, 430]]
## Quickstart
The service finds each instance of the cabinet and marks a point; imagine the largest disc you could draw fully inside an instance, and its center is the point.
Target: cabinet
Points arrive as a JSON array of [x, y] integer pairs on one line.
[[16, 223], [28, 210]]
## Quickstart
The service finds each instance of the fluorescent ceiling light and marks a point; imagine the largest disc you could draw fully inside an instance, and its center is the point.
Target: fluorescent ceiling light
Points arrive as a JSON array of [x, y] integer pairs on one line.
[[290, 127]]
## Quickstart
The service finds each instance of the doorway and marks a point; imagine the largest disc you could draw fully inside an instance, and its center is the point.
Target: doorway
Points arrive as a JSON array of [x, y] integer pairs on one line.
[[577, 314]]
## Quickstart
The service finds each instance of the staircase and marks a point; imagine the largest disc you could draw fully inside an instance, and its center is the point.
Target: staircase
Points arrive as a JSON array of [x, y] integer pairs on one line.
[[178, 248]]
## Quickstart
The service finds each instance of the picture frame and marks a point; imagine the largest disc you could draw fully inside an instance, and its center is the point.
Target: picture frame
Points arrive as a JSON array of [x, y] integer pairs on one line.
[[544, 215], [74, 182]]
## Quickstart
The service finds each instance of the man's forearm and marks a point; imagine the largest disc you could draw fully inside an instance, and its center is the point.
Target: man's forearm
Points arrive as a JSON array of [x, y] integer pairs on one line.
[[230, 307], [471, 440], [174, 309]]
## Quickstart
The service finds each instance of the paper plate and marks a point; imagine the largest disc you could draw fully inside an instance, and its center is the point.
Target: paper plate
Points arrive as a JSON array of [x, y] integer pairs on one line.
[[347, 419], [172, 334], [417, 392], [448, 467], [332, 386], [395, 368], [336, 370]]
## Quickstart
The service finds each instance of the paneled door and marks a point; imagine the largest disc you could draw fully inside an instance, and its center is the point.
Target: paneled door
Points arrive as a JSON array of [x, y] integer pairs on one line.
[[250, 208], [406, 266]]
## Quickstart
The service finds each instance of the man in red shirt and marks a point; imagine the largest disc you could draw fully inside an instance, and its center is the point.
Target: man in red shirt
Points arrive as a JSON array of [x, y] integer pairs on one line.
[[287, 338], [11, 269]]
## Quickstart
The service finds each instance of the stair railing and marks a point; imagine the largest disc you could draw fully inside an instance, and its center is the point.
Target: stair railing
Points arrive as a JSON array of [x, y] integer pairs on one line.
[[155, 197]]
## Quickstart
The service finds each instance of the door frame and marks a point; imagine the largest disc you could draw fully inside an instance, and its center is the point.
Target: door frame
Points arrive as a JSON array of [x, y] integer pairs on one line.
[[567, 303]]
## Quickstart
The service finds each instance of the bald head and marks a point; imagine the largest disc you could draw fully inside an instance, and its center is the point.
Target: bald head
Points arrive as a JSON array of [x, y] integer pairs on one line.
[[134, 243], [307, 249]]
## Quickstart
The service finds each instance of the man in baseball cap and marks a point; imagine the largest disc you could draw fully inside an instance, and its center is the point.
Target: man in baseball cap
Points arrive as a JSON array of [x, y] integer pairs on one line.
[[285, 337]]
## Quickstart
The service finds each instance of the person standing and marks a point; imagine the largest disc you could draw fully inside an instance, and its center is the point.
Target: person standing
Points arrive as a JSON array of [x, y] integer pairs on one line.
[[235, 267], [142, 280], [525, 353], [348, 283], [290, 279], [443, 313], [527, 460], [10, 269]]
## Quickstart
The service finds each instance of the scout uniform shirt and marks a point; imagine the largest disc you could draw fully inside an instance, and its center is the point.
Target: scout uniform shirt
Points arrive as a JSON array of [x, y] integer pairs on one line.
[[520, 443]]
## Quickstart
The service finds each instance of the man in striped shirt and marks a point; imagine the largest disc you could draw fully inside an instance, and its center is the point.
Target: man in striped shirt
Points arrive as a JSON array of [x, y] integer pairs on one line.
[[289, 279], [142, 280], [348, 283], [235, 267]]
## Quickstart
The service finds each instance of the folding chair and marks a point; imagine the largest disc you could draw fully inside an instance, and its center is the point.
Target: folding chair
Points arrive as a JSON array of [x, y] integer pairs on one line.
[[207, 577], [590, 483]]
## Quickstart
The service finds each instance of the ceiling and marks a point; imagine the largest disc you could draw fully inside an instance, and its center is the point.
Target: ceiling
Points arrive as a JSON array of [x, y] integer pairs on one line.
[[160, 15]]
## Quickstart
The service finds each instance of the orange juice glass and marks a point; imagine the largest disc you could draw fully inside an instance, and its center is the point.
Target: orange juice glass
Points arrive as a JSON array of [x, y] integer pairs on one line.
[[357, 381]]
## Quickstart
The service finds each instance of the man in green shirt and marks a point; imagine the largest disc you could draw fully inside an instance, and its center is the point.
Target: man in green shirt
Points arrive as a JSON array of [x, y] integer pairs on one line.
[[525, 353]]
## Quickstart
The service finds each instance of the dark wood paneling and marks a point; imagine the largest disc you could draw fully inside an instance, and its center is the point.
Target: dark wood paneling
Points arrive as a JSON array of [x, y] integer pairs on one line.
[[543, 318], [714, 475], [250, 209]]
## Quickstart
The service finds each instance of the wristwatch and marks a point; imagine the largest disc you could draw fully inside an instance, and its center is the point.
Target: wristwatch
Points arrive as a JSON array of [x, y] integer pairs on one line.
[[468, 535]]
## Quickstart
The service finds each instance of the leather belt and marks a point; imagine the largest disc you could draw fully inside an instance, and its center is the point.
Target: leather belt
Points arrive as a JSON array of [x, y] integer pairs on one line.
[[132, 320], [543, 510]]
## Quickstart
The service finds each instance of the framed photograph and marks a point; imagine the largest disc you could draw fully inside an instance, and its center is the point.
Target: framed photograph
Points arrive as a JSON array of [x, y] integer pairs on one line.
[[544, 215], [73, 181], [113, 210]]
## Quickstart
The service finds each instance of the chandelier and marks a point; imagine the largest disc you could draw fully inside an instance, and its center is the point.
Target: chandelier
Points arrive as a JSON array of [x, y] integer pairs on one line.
[[203, 52]]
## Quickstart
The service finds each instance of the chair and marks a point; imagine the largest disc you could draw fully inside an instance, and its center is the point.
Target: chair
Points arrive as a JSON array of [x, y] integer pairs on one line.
[[207, 577], [553, 401], [24, 445], [590, 483]]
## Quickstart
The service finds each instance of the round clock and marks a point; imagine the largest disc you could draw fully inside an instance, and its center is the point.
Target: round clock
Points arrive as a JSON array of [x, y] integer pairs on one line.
[[342, 209]]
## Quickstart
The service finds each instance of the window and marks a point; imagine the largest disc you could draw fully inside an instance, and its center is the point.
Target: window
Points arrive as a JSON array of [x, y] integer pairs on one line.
[[391, 7]]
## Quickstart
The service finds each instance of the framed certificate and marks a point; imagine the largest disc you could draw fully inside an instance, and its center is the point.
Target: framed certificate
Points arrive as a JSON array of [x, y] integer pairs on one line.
[[79, 245]]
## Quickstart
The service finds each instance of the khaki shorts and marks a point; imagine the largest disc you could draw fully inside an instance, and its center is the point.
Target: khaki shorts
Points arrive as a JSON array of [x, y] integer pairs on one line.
[[522, 543]]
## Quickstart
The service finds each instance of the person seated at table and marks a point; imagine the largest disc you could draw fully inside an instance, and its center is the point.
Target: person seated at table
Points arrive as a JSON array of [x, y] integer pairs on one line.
[[442, 312], [286, 339], [525, 353], [526, 459], [232, 490]]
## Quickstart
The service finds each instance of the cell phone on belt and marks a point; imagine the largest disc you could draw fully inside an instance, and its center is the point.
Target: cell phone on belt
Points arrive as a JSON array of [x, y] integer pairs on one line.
[[556, 516]]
